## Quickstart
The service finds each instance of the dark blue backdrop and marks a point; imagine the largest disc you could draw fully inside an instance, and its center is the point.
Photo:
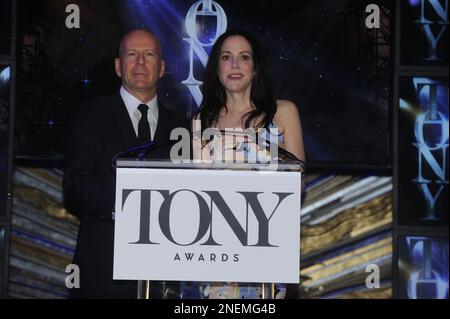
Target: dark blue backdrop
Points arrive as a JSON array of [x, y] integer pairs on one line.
[[318, 53]]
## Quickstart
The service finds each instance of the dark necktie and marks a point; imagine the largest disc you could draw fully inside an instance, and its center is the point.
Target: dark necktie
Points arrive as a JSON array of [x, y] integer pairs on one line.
[[144, 135]]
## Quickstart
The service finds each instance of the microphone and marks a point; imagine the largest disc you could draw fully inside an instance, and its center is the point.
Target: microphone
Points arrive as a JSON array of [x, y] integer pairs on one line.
[[138, 152], [284, 154]]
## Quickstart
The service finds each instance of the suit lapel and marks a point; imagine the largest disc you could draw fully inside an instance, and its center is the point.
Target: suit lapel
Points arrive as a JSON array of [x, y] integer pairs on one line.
[[162, 129], [122, 118]]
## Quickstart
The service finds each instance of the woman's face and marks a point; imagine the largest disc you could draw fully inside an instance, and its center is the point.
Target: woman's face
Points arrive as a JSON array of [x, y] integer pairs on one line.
[[236, 69]]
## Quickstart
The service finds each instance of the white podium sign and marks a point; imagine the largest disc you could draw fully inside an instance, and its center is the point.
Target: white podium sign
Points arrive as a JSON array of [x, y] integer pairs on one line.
[[207, 225]]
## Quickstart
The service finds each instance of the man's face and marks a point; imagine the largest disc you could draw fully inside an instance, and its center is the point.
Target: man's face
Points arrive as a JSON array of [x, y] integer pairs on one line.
[[140, 64]]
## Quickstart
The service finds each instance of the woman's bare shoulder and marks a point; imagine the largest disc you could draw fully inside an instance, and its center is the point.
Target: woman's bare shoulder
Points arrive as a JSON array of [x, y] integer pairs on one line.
[[284, 106], [286, 110]]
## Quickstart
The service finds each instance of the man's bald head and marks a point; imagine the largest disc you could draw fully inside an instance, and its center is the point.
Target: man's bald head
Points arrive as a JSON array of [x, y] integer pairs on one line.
[[132, 32]]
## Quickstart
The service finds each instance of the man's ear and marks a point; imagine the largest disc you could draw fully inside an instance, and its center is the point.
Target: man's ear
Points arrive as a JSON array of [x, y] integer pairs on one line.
[[162, 70], [117, 67]]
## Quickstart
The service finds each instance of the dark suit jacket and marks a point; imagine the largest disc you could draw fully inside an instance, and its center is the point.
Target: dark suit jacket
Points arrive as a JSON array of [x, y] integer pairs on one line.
[[100, 129]]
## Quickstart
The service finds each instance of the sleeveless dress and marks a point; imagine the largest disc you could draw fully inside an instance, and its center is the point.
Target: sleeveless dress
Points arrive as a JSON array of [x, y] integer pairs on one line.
[[232, 290]]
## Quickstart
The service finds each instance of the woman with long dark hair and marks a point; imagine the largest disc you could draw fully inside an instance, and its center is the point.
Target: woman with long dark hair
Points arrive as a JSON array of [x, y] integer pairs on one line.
[[238, 94]]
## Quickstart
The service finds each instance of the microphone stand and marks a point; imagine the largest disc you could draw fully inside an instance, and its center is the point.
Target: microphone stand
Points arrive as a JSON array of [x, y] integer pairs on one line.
[[138, 152]]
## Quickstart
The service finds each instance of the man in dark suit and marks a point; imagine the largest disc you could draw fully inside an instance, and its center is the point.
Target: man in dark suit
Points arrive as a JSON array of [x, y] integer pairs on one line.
[[100, 129]]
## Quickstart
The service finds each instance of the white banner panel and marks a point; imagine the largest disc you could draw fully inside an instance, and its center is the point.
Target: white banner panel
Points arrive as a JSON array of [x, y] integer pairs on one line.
[[207, 225]]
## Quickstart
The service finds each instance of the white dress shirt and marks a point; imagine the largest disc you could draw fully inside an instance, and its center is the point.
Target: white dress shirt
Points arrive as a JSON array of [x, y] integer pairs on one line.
[[132, 103]]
